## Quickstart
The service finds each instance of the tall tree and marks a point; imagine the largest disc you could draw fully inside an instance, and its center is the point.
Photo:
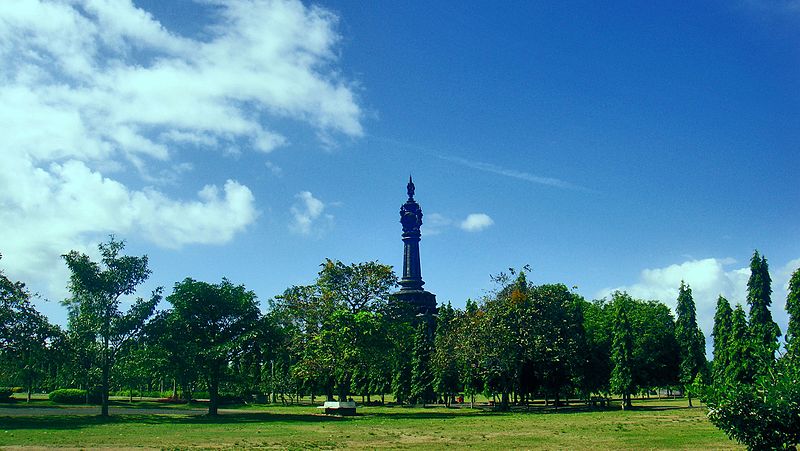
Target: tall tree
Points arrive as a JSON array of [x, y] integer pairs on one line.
[[723, 318], [690, 339], [622, 349], [218, 320], [557, 336], [764, 332], [656, 354], [445, 366], [422, 376], [598, 320], [97, 292], [740, 368], [793, 308]]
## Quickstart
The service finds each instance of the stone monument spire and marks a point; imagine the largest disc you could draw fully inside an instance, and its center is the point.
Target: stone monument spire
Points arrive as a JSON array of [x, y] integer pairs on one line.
[[411, 283]]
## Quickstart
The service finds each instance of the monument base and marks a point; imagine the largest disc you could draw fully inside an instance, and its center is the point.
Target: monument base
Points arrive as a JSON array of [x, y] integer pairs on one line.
[[415, 302]]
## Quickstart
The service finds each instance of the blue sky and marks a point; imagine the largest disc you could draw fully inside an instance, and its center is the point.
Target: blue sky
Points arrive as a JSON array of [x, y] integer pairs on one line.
[[622, 146]]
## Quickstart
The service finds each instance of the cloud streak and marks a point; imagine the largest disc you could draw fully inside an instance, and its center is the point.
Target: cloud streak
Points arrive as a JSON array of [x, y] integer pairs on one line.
[[513, 173]]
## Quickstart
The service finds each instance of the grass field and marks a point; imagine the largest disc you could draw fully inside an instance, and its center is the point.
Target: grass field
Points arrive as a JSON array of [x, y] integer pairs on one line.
[[656, 424]]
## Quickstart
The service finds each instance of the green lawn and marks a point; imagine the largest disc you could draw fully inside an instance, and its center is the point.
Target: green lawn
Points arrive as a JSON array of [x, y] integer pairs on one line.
[[651, 425]]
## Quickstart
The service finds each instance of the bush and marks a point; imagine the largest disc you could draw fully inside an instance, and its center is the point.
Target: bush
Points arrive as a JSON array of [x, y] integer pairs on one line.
[[73, 396], [139, 393], [5, 394], [223, 397], [764, 415]]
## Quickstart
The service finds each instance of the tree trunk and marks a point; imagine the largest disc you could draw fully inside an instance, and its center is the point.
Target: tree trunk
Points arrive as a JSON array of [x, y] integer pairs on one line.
[[104, 388], [504, 402], [213, 393], [689, 396]]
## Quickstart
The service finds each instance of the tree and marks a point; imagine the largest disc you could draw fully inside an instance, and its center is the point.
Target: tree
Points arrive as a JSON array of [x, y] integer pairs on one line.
[[468, 349], [598, 320], [764, 332], [358, 286], [741, 367], [97, 291], [25, 336], [557, 337], [763, 415], [217, 320], [445, 365], [421, 371], [691, 342], [793, 308], [656, 355], [722, 334], [622, 349], [505, 333], [326, 317]]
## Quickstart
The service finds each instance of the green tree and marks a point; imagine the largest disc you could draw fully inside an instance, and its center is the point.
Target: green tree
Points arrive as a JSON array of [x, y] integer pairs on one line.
[[557, 337], [690, 340], [97, 291], [469, 349], [598, 320], [793, 308], [656, 355], [327, 317], [26, 336], [218, 320], [622, 348], [722, 334], [741, 367], [445, 365], [358, 286], [764, 332], [422, 376]]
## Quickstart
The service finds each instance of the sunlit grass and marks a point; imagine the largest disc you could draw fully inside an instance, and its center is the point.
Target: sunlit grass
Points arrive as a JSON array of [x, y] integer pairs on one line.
[[650, 425]]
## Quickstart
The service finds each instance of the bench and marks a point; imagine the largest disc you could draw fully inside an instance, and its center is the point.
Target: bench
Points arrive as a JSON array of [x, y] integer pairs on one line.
[[343, 408]]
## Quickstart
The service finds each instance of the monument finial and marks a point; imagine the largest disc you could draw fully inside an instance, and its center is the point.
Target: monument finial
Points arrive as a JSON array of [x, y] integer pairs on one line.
[[410, 188]]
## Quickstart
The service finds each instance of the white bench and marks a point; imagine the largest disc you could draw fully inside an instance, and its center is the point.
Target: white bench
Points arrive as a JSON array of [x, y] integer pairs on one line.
[[343, 408]]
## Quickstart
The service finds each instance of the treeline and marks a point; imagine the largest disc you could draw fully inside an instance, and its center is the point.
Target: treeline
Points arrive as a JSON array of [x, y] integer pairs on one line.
[[343, 336]]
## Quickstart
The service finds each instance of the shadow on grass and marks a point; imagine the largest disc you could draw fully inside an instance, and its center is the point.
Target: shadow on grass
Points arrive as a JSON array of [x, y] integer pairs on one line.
[[77, 421], [83, 421]]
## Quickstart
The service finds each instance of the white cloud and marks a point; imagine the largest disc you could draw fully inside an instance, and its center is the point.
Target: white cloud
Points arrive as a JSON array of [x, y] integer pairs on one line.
[[708, 279], [90, 89], [307, 215], [274, 169], [475, 222], [435, 223]]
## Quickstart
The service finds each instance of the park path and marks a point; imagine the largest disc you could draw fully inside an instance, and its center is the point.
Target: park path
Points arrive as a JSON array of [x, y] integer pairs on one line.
[[38, 411]]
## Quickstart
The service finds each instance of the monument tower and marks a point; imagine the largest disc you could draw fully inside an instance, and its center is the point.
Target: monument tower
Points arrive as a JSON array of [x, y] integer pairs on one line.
[[411, 291]]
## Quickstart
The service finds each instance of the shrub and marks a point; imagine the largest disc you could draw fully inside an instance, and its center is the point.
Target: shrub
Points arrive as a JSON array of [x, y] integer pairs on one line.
[[5, 394], [138, 393], [763, 415], [73, 396]]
